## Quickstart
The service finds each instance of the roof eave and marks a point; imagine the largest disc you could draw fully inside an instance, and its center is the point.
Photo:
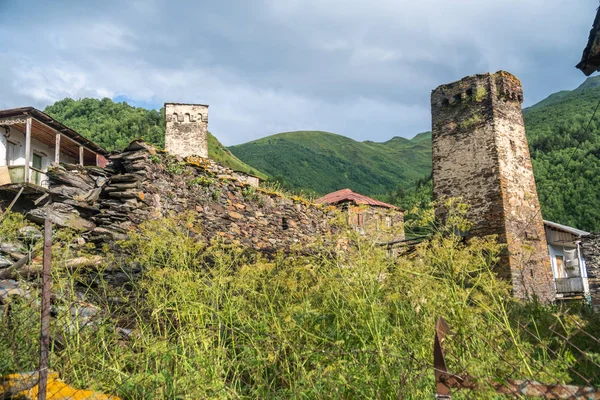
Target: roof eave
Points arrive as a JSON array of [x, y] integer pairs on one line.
[[58, 126]]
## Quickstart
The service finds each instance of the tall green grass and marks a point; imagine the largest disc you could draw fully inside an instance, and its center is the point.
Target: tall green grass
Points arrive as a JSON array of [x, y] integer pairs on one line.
[[216, 321]]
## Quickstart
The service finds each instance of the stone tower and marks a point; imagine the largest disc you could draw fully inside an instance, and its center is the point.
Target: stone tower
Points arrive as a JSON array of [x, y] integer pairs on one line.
[[186, 131], [480, 154]]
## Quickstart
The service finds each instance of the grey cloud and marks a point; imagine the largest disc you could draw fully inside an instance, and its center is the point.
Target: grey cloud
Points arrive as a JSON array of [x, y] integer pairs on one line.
[[362, 68]]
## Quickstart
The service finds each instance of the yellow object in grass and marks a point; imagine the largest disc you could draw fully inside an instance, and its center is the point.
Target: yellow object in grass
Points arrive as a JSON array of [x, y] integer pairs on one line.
[[25, 386]]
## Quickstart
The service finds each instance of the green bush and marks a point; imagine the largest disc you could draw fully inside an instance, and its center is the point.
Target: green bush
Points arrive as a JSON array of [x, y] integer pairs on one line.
[[219, 321]]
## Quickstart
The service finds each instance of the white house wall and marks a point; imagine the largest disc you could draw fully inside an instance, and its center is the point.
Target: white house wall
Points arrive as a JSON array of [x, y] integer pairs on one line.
[[38, 147]]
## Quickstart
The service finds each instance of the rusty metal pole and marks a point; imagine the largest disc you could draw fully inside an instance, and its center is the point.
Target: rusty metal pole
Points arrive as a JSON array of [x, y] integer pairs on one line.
[[442, 390], [45, 329]]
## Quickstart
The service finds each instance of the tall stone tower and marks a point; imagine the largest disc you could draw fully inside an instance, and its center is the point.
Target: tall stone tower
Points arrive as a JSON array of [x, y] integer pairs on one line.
[[480, 154], [186, 131]]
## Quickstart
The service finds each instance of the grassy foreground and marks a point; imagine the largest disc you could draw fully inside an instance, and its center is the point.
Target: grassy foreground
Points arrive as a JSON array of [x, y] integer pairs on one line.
[[215, 321]]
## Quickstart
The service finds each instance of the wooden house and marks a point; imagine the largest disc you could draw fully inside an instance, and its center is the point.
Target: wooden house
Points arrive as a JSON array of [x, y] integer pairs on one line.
[[30, 141]]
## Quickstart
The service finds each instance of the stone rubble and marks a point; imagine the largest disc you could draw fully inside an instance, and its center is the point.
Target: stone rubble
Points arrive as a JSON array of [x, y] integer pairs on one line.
[[143, 183], [590, 248]]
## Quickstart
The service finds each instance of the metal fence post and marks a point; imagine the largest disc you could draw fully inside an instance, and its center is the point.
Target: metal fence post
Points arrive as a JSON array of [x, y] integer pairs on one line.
[[45, 323], [442, 390]]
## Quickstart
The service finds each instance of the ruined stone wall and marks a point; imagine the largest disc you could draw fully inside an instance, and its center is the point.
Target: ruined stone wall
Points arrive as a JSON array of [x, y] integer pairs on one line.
[[143, 183], [186, 130], [379, 224], [590, 248], [480, 154]]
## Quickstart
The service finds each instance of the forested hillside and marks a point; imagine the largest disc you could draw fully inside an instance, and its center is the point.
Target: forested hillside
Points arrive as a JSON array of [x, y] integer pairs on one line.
[[565, 157], [323, 161], [114, 125], [568, 181], [568, 186]]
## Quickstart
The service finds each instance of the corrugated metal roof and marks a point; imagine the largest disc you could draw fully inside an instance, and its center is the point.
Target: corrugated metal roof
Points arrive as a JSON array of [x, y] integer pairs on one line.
[[565, 228], [348, 195]]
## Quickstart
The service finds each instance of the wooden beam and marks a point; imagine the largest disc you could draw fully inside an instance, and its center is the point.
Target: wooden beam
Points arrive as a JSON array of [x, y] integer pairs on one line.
[[57, 149], [81, 155], [27, 148]]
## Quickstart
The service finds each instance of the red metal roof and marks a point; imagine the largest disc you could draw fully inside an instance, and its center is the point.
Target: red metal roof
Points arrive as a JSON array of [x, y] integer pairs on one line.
[[348, 195]]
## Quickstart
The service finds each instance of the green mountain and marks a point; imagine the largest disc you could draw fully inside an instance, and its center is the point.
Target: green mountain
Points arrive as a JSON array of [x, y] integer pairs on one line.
[[566, 162], [565, 155], [114, 125], [323, 161]]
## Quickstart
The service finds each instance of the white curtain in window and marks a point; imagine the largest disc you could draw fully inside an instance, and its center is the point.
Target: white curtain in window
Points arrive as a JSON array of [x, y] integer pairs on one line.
[[572, 262]]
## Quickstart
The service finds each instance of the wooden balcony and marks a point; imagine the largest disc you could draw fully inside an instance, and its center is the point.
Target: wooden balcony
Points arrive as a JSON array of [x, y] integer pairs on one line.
[[17, 175], [569, 285]]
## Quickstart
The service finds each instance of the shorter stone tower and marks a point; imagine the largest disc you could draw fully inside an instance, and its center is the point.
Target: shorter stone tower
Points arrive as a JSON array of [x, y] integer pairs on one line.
[[480, 154], [186, 132]]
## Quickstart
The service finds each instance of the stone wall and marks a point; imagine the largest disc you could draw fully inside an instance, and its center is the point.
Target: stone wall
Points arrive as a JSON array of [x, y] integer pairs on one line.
[[143, 183], [379, 224], [480, 154], [590, 248], [186, 130]]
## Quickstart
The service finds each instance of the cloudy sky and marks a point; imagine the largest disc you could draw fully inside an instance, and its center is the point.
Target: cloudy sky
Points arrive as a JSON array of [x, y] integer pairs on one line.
[[361, 68]]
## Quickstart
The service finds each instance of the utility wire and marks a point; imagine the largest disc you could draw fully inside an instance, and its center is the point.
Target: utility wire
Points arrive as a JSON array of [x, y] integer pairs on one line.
[[555, 186]]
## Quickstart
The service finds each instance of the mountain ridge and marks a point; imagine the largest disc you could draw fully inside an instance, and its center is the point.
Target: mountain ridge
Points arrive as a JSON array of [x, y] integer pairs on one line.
[[565, 157], [298, 159], [566, 165]]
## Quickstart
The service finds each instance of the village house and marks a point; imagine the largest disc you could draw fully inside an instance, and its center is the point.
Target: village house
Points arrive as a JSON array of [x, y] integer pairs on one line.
[[30, 141], [568, 265], [382, 222], [480, 154]]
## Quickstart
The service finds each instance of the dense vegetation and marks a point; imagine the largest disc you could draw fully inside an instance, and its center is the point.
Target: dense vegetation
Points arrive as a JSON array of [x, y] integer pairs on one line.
[[323, 162], [566, 161], [566, 158], [319, 162], [114, 125], [215, 321]]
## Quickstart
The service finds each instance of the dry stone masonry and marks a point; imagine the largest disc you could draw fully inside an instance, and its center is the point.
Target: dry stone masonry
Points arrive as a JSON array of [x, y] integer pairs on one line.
[[480, 154], [187, 129], [590, 247], [143, 183]]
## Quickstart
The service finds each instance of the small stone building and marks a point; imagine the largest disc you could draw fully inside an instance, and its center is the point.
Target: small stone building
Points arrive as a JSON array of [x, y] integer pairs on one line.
[[382, 222], [590, 249], [187, 129]]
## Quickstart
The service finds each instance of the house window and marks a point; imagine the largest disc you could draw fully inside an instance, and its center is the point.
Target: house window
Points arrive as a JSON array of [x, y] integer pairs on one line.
[[36, 162], [12, 152], [572, 263], [560, 266], [388, 222], [284, 224], [356, 219]]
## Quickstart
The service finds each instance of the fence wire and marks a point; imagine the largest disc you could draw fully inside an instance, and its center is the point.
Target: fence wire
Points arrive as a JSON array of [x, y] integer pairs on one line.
[[565, 340], [556, 357]]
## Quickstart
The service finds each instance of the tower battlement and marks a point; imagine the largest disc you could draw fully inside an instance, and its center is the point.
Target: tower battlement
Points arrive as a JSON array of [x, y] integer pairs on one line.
[[477, 88], [187, 129]]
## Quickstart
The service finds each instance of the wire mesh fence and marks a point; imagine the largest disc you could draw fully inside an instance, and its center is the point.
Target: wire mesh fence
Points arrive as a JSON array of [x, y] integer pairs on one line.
[[196, 340], [564, 340]]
